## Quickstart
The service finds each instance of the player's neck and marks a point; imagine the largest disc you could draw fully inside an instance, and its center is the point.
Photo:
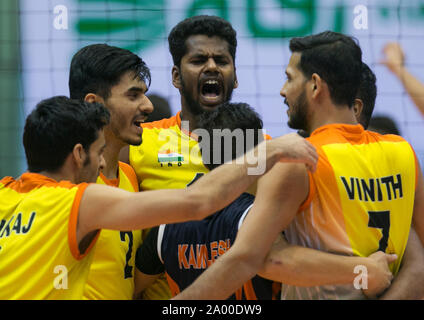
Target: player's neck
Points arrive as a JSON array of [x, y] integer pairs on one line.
[[190, 118], [63, 174], [333, 114], [111, 155]]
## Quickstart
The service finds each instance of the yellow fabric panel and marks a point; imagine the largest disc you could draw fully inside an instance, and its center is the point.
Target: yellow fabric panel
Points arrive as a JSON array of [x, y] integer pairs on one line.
[[369, 191], [112, 271]]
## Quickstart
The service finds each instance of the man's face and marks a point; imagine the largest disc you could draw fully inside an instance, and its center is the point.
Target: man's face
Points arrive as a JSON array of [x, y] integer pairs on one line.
[[206, 77], [94, 161], [294, 95], [128, 107]]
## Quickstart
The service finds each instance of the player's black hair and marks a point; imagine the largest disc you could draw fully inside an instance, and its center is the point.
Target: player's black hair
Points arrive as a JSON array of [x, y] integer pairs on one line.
[[336, 58], [229, 121], [384, 125], [367, 93], [55, 126], [98, 67], [200, 25]]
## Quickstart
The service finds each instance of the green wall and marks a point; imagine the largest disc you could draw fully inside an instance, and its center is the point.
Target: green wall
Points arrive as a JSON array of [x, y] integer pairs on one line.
[[11, 111]]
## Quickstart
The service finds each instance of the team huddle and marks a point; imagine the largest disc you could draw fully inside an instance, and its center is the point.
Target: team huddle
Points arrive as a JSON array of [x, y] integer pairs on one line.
[[203, 205]]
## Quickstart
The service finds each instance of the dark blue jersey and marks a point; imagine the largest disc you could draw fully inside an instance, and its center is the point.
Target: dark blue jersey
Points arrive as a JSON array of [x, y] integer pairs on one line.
[[185, 250]]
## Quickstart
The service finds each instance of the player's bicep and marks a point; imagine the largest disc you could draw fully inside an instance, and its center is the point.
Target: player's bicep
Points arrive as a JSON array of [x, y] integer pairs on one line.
[[280, 193]]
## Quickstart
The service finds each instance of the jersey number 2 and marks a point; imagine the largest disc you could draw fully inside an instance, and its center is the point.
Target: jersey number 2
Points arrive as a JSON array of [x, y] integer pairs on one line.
[[380, 219], [128, 269]]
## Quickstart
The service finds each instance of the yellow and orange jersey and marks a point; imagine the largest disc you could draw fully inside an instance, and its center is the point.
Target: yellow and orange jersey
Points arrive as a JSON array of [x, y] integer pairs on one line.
[[111, 274], [361, 200], [39, 253]]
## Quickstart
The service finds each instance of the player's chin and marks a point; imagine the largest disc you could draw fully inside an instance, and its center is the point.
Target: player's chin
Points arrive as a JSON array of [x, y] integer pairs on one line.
[[134, 141]]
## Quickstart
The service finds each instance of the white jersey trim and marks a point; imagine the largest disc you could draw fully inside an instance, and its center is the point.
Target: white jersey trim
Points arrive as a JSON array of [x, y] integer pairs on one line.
[[244, 216], [159, 242]]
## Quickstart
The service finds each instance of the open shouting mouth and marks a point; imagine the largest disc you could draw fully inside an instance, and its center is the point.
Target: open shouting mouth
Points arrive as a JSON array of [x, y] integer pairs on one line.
[[211, 91]]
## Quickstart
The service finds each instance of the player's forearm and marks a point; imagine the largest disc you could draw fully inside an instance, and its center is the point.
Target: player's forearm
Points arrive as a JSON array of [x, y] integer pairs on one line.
[[299, 266], [219, 281], [224, 184]]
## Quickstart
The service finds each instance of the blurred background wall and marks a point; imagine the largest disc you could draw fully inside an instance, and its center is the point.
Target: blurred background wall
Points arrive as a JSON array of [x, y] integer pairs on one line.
[[39, 37]]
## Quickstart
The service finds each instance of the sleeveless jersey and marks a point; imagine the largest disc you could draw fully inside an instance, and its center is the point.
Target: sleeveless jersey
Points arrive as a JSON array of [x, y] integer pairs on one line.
[[39, 253], [187, 249], [111, 274], [361, 200]]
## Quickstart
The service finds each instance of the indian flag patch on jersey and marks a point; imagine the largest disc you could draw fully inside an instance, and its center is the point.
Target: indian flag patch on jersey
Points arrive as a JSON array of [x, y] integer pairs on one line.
[[169, 156]]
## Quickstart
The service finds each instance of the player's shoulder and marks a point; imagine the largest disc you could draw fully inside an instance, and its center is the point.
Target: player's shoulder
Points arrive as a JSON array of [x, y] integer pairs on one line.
[[386, 137], [163, 123], [128, 170]]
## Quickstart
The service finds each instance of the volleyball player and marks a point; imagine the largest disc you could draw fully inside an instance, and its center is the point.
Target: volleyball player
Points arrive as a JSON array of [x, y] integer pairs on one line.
[[203, 50], [118, 79]]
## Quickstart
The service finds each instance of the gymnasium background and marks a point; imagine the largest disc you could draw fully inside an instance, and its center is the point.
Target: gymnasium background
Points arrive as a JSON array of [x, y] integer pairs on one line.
[[37, 43]]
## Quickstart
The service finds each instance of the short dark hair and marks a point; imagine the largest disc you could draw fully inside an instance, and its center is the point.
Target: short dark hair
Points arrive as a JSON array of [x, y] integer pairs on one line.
[[200, 25], [98, 67], [336, 58], [383, 125], [230, 116], [367, 93], [55, 126]]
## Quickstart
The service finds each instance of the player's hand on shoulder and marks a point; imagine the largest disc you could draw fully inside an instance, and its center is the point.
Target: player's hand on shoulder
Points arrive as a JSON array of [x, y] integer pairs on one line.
[[379, 276], [294, 148]]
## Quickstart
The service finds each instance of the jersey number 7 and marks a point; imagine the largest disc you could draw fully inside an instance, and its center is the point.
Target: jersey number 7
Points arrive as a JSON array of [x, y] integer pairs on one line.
[[380, 219]]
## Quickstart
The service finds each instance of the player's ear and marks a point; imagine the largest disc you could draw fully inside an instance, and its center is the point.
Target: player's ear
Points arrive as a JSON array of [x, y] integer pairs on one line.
[[315, 85], [235, 79], [358, 105], [79, 155], [92, 97], [176, 77]]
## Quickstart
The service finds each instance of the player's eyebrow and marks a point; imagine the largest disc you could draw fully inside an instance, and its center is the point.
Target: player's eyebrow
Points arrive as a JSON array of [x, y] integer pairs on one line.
[[137, 90]]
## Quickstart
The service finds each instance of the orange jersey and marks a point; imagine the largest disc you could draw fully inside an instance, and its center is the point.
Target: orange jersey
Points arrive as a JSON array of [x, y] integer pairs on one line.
[[361, 200]]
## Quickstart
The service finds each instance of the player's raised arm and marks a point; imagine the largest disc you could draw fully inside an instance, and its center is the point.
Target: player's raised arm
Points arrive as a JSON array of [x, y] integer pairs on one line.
[[394, 60]]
